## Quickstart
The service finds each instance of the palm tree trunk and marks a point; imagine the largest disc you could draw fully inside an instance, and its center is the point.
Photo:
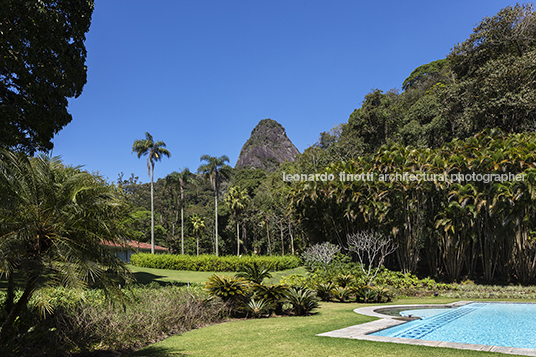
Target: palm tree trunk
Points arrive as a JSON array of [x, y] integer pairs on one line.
[[182, 221], [268, 235], [216, 212], [174, 224], [237, 238], [152, 212], [291, 238], [16, 309], [282, 242], [176, 211], [10, 297], [244, 238]]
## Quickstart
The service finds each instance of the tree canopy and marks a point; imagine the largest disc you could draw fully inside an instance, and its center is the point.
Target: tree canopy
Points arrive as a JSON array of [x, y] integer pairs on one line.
[[43, 63]]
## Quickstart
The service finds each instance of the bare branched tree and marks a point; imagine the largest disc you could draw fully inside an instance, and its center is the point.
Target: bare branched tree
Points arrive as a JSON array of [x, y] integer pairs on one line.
[[371, 248], [320, 255]]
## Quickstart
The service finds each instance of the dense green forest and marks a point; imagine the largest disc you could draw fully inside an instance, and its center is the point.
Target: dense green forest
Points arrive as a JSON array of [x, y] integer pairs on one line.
[[471, 112]]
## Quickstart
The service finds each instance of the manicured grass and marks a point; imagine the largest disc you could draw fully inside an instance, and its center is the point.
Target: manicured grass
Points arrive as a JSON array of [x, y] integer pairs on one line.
[[294, 336], [164, 276], [182, 277]]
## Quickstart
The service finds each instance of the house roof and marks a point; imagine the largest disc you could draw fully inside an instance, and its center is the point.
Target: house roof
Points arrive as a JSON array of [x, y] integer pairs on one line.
[[133, 244]]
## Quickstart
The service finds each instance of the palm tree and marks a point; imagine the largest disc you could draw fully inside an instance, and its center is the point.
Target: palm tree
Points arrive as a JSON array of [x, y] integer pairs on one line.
[[214, 169], [237, 199], [53, 223], [154, 152], [198, 224], [181, 179]]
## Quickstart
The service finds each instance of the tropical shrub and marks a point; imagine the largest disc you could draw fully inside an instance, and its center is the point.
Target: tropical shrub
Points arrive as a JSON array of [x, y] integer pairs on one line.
[[274, 295], [255, 272], [258, 307], [228, 288], [341, 293], [303, 300], [295, 280], [372, 294], [407, 282], [344, 280], [324, 291]]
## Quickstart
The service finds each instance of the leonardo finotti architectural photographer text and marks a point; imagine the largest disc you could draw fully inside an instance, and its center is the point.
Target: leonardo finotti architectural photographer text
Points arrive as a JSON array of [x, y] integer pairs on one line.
[[405, 177]]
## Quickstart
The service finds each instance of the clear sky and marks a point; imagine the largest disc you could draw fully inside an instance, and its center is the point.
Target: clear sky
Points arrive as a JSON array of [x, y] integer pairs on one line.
[[200, 74]]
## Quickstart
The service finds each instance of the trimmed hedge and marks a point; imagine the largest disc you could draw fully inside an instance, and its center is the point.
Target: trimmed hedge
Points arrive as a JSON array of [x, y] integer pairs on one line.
[[208, 262]]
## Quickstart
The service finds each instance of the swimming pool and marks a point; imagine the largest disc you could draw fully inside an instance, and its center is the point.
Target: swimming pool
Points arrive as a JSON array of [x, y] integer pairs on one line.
[[493, 324], [423, 313]]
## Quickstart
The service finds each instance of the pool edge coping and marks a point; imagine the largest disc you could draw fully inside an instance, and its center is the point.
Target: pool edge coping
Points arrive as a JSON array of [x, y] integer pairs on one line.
[[363, 331]]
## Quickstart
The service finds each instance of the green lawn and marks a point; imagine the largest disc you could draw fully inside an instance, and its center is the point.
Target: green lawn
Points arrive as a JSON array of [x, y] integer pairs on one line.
[[164, 276], [293, 336]]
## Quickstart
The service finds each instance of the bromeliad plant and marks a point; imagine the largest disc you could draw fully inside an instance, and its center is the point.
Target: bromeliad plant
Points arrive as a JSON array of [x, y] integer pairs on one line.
[[258, 307]]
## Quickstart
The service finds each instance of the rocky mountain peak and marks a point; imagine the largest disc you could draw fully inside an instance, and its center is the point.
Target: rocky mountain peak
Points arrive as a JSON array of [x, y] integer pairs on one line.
[[267, 147]]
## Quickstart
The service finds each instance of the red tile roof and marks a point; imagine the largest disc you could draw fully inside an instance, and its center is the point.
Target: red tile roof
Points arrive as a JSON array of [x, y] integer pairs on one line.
[[133, 244]]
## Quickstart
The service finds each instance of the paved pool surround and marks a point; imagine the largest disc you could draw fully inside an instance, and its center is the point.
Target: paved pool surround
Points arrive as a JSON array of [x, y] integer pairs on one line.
[[362, 331]]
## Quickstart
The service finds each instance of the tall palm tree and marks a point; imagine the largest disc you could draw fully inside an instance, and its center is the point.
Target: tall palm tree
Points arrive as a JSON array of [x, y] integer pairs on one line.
[[154, 152], [181, 179], [237, 199], [215, 168], [54, 220], [198, 224]]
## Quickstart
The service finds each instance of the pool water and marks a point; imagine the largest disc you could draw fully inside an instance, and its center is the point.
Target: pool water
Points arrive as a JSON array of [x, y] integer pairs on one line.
[[423, 313], [494, 324]]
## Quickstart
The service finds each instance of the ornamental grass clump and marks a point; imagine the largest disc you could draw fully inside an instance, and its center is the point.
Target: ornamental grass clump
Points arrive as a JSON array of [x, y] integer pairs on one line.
[[84, 321]]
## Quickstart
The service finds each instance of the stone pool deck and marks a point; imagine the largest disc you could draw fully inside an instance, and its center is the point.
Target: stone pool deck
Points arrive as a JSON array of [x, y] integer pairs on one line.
[[362, 331]]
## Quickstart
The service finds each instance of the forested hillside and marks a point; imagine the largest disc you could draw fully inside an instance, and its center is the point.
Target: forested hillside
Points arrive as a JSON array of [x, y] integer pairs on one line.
[[471, 112]]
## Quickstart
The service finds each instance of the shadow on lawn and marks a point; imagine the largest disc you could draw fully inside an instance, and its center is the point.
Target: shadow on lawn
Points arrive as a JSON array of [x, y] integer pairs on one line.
[[153, 351], [148, 278]]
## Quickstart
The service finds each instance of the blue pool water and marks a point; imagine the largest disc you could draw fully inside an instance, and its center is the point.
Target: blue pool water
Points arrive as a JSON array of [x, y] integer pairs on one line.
[[494, 324]]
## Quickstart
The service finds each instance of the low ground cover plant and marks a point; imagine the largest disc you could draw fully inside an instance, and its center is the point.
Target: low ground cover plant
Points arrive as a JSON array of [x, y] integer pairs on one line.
[[212, 263]]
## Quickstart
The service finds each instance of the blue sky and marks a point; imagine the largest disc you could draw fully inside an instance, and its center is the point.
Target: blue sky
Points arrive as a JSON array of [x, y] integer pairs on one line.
[[199, 75]]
